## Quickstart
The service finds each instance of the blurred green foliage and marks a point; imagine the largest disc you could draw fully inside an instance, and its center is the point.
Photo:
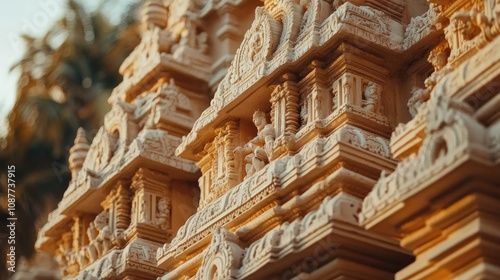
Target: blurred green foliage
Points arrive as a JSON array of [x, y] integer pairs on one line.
[[66, 78]]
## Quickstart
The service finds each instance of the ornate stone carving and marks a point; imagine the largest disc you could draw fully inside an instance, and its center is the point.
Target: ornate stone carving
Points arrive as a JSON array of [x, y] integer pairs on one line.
[[418, 97], [371, 98], [419, 28], [258, 45], [163, 213], [258, 150], [78, 152], [100, 151], [327, 83], [65, 256], [154, 14], [451, 132], [222, 258], [291, 235], [101, 243], [92, 233]]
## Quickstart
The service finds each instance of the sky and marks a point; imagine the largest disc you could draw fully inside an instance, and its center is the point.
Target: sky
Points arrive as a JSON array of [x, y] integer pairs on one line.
[[33, 17]]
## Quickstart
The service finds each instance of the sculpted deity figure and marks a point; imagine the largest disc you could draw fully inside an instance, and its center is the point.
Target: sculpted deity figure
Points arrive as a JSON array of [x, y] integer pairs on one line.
[[81, 257], [64, 253], [347, 85], [371, 98], [202, 42], [162, 213], [103, 239], [439, 60], [91, 248], [258, 149], [66, 257], [304, 112], [335, 98], [418, 97]]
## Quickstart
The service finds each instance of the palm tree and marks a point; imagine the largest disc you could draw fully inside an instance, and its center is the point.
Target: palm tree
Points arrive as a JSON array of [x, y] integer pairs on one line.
[[66, 77]]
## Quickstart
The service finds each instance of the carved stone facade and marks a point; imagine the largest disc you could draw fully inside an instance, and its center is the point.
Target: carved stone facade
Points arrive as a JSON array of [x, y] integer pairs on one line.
[[341, 139]]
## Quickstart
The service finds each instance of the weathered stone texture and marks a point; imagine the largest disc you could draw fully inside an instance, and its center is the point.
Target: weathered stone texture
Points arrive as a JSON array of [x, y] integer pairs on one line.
[[309, 139]]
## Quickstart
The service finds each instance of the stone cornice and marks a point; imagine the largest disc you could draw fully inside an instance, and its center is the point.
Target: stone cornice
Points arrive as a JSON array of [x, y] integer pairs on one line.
[[385, 34], [454, 141], [277, 178]]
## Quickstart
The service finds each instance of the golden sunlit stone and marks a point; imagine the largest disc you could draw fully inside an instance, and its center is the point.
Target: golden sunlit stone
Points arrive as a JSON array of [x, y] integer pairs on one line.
[[340, 140]]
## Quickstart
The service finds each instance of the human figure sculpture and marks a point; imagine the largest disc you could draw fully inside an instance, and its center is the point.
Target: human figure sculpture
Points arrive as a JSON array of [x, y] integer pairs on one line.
[[67, 258], [259, 149], [91, 248], [202, 42], [303, 113], [347, 85], [418, 97], [162, 213], [371, 98], [81, 257], [438, 59], [335, 99], [103, 239], [61, 258]]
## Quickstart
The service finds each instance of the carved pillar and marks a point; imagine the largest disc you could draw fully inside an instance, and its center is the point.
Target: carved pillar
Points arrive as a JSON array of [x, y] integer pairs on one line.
[[285, 107], [65, 254], [150, 187], [335, 96], [278, 110], [122, 209], [122, 201], [342, 91], [229, 33], [220, 154], [110, 208], [321, 104], [205, 181], [224, 174], [76, 231], [347, 93], [292, 116], [80, 239], [230, 137]]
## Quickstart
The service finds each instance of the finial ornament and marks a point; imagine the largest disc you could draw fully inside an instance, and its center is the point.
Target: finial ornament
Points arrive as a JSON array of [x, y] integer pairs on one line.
[[78, 152], [154, 14]]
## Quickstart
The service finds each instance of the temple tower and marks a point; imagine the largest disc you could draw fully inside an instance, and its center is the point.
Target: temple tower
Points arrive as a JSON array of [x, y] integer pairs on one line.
[[129, 193], [307, 139]]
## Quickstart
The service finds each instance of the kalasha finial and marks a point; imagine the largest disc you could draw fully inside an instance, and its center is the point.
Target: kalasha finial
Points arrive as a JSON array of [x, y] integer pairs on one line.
[[154, 13], [78, 152]]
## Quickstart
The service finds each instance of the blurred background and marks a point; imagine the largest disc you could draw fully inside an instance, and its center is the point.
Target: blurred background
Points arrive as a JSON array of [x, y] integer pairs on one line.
[[59, 62]]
